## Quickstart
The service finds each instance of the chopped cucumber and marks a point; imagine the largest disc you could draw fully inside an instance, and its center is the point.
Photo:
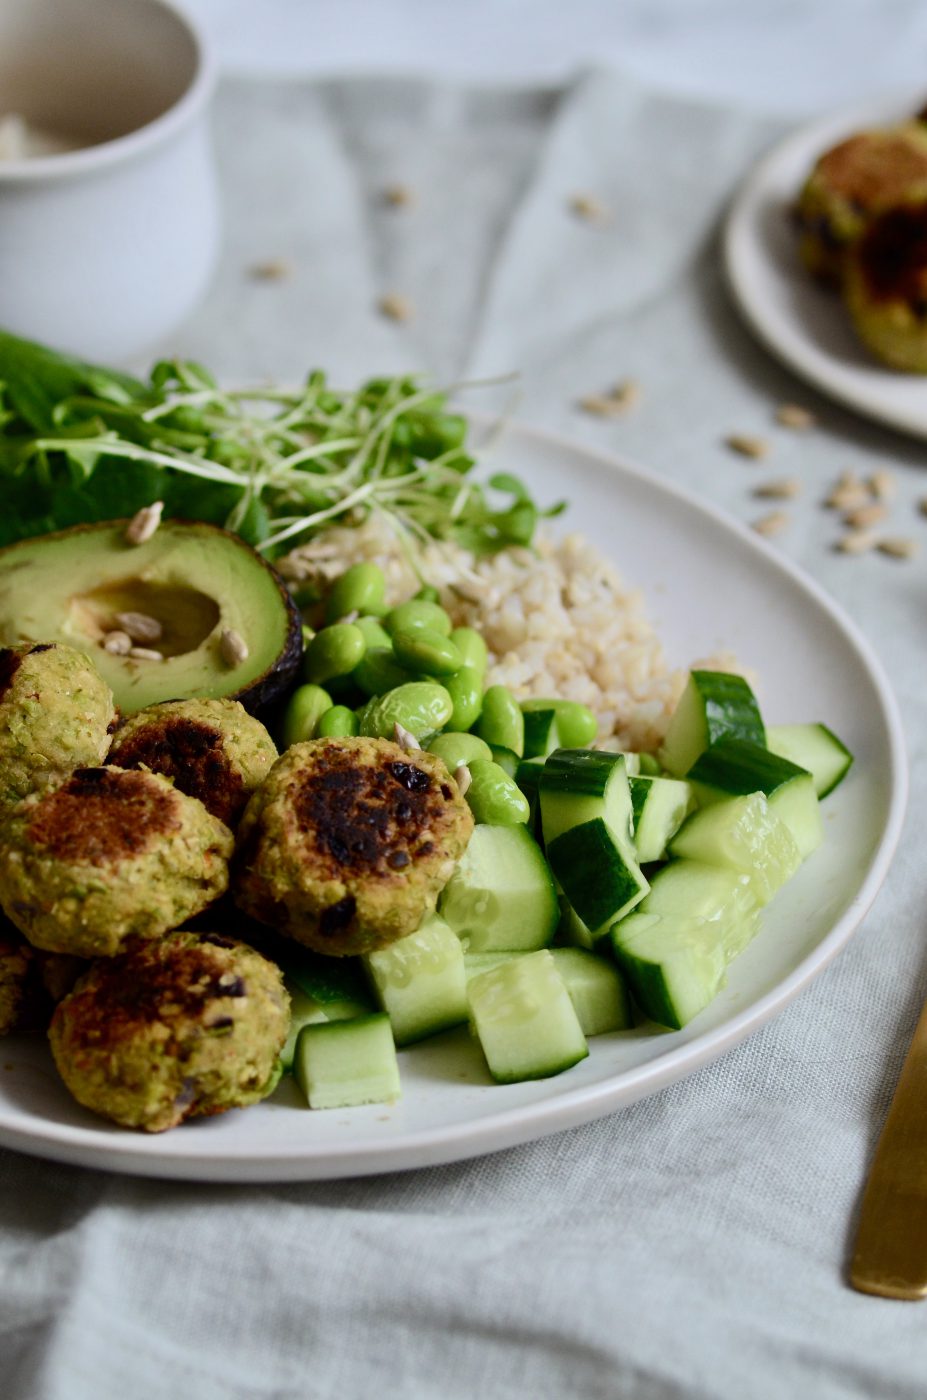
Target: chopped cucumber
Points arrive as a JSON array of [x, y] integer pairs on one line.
[[524, 1018], [304, 1011], [713, 705], [501, 896], [742, 834], [507, 759], [342, 1064], [690, 889], [814, 747], [675, 964], [658, 809], [734, 767], [420, 981], [337, 984], [598, 872], [572, 931], [475, 963], [542, 735], [578, 785], [597, 990]]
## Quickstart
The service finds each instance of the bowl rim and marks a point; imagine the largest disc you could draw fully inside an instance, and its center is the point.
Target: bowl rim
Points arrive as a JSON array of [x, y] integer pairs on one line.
[[90, 159]]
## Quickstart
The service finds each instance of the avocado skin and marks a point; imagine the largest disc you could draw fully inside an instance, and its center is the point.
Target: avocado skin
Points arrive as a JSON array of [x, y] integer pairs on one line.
[[276, 683]]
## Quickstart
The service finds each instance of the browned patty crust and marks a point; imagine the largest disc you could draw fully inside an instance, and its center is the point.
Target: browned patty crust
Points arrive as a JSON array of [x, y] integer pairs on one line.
[[102, 816], [188, 1025], [107, 856], [349, 842], [892, 256], [212, 749]]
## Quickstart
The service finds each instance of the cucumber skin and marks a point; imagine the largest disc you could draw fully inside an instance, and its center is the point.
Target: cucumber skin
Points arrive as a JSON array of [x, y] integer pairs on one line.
[[721, 704], [593, 844], [739, 767]]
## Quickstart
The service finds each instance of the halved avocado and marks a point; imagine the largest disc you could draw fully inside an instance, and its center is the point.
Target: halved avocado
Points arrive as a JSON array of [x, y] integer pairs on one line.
[[197, 580]]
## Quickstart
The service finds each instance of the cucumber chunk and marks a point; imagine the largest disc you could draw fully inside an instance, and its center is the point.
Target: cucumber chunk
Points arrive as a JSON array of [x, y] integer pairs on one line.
[[542, 735], [337, 984], [525, 1021], [675, 964], [304, 1011], [814, 747], [714, 704], [598, 873], [658, 809], [501, 896], [578, 785], [597, 990], [690, 889], [734, 767], [420, 981], [742, 834], [342, 1064], [572, 931]]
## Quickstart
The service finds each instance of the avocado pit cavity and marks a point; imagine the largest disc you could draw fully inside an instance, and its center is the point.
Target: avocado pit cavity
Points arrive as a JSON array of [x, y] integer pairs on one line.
[[186, 615]]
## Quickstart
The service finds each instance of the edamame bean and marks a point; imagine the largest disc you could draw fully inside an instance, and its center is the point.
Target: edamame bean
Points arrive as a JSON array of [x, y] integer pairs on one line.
[[471, 647], [417, 612], [335, 651], [501, 722], [304, 710], [359, 589], [454, 748], [576, 723], [374, 634], [421, 649], [493, 796], [420, 706], [426, 594], [649, 767], [337, 723], [379, 671], [465, 688]]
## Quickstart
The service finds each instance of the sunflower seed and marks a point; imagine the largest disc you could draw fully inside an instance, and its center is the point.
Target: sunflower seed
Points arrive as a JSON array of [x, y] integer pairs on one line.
[[897, 547], [144, 523], [463, 778], [587, 207], [783, 489], [117, 643], [144, 654], [395, 306], [882, 484], [273, 270], [772, 524], [792, 415], [863, 516], [233, 648], [405, 739], [746, 445], [140, 627], [848, 497], [398, 196], [856, 542]]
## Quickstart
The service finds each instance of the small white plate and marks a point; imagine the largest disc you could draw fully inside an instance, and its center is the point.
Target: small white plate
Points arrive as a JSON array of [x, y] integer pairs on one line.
[[710, 583], [802, 323]]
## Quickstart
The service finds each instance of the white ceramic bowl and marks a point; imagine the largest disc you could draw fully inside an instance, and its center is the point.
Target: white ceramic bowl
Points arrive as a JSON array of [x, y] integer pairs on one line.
[[105, 248]]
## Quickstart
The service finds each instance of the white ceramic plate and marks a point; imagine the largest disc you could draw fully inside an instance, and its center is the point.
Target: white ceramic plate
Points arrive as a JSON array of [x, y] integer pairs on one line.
[[804, 325], [710, 583]]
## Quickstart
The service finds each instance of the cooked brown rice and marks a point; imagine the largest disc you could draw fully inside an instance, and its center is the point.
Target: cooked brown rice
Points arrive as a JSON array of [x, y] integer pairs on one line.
[[559, 621]]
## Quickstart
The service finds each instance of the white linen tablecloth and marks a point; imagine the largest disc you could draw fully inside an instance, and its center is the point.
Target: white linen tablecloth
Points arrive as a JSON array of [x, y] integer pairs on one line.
[[693, 1245]]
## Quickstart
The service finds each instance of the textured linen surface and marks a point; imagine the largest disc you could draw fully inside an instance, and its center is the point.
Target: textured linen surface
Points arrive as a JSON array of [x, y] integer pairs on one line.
[[690, 1246]]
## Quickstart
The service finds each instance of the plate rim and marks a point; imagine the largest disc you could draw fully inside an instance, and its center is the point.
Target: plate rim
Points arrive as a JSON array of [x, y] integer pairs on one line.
[[132, 1154], [739, 229]]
